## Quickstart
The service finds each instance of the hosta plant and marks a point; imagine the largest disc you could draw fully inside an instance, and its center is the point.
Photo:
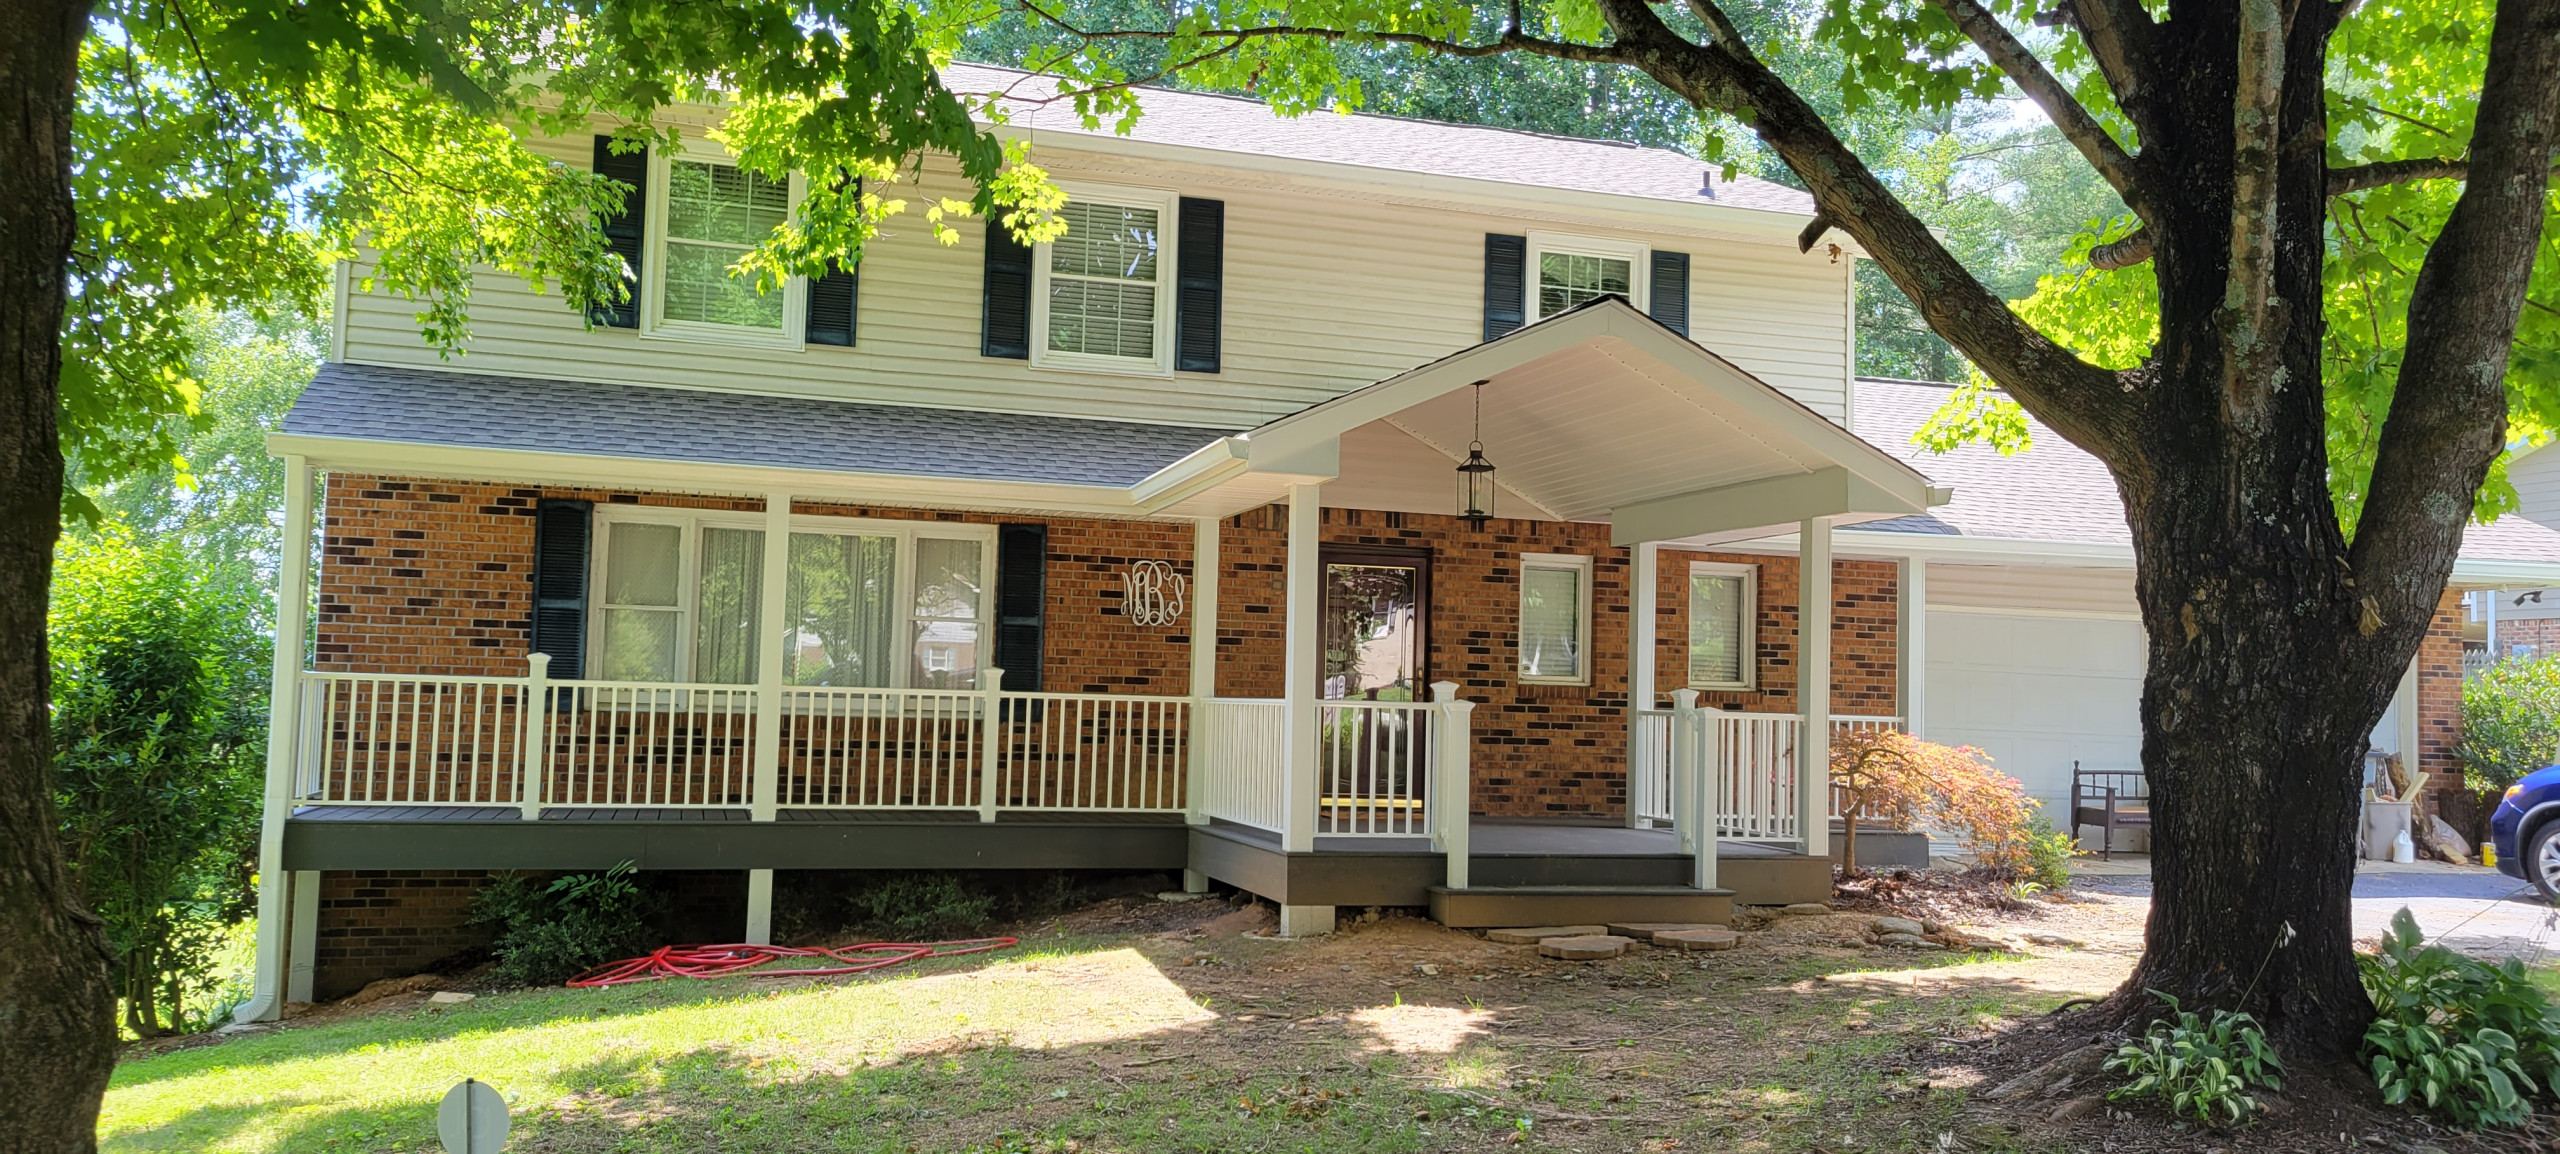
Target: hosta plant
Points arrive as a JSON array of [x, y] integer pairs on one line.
[[2202, 1067], [2471, 1042]]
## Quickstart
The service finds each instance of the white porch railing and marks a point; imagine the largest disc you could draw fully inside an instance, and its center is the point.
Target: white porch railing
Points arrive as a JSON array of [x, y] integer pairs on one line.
[[1246, 770], [1754, 757], [1093, 752], [1373, 768], [372, 740], [623, 744], [881, 748]]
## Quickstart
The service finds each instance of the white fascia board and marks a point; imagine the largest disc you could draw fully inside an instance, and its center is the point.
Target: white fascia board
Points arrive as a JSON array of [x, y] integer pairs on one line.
[[518, 466], [1756, 225], [1752, 505], [2468, 572], [2483, 573], [1203, 470]]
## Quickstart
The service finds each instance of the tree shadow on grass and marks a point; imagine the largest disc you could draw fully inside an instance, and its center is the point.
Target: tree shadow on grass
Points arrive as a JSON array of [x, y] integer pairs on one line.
[[412, 1021]]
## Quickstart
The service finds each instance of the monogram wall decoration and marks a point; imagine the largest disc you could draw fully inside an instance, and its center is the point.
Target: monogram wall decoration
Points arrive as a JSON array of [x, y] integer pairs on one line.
[[1154, 593]]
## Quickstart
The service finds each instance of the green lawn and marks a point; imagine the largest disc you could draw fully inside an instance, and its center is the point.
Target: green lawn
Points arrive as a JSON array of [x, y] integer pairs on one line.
[[1092, 1044]]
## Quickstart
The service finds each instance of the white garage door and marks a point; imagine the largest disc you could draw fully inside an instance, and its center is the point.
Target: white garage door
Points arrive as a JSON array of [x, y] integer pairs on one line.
[[2037, 693]]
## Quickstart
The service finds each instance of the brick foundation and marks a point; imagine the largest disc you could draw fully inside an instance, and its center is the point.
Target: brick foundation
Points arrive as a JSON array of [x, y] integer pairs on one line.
[[378, 924]]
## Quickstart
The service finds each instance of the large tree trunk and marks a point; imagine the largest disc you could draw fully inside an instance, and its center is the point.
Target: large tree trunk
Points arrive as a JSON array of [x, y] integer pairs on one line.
[[2274, 642], [57, 1014]]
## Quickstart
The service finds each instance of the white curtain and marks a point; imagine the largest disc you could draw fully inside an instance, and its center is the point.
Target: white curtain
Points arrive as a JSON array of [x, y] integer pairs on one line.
[[731, 603], [946, 615], [842, 605], [640, 616]]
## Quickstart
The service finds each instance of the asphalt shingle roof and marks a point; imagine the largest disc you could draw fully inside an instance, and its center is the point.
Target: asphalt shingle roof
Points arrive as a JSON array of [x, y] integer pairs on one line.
[[2055, 491], [1236, 124], [468, 410]]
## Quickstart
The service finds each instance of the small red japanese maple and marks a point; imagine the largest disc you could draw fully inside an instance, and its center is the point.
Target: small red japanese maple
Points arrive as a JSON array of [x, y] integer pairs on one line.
[[1893, 778]]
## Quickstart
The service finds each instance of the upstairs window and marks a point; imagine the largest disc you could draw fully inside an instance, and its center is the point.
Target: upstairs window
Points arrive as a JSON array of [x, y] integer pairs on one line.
[[1555, 619], [1103, 298], [1571, 271], [705, 215], [1721, 616]]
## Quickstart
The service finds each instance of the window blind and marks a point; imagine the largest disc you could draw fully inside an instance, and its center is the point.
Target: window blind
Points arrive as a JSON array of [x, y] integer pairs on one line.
[[1550, 622], [1719, 639]]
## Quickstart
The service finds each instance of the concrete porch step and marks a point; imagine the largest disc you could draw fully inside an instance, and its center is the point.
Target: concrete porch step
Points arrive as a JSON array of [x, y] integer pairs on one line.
[[1485, 907]]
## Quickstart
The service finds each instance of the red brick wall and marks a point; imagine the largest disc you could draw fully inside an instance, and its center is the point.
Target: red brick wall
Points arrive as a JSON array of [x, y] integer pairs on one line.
[[1864, 633], [2440, 695], [391, 923]]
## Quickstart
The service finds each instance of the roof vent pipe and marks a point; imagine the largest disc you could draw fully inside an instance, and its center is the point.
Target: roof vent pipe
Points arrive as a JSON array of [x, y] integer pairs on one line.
[[1707, 184]]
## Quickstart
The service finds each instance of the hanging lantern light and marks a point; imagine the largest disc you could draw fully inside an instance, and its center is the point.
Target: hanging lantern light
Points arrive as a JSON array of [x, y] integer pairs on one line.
[[1475, 476]]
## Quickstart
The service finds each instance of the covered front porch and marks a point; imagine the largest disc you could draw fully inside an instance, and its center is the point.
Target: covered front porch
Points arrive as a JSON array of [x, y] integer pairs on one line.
[[1277, 765]]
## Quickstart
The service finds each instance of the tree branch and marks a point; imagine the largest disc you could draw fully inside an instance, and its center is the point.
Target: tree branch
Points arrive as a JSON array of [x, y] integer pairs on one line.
[[2030, 75], [2080, 400], [2136, 247], [2449, 408], [1511, 39], [2249, 321], [2118, 35]]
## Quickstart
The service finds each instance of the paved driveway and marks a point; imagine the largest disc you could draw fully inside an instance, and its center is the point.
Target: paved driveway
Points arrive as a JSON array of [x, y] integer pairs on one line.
[[2480, 912]]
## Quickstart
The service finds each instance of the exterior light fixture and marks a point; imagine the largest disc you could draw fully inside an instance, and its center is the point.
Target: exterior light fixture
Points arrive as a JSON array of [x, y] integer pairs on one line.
[[1475, 477]]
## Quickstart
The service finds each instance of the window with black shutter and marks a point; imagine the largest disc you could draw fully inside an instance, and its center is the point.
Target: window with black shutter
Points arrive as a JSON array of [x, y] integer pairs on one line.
[[1005, 330], [1670, 300], [1506, 283], [625, 232], [1022, 559], [1199, 284], [834, 299], [560, 536]]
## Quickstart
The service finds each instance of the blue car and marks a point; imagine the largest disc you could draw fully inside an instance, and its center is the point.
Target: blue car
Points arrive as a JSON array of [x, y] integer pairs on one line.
[[2526, 829]]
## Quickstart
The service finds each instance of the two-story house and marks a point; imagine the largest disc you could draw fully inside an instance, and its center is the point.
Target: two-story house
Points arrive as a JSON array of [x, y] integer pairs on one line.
[[1352, 510]]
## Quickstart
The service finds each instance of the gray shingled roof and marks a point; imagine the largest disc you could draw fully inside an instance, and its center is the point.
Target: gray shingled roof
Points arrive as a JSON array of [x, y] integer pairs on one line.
[[469, 410], [2056, 491], [1476, 152]]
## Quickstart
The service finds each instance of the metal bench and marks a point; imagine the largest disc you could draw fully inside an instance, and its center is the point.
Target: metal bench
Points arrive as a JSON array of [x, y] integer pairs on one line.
[[2110, 799]]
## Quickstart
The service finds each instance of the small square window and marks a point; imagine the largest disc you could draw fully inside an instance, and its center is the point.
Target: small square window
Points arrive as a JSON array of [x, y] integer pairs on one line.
[[1570, 271], [1555, 619], [1101, 296], [1722, 614]]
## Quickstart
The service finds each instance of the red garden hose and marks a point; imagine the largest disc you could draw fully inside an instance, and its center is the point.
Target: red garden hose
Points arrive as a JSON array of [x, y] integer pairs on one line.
[[741, 957]]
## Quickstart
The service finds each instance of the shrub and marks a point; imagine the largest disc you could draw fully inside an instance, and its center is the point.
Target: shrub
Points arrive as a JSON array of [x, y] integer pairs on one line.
[[159, 702], [2456, 1036], [2510, 723], [2048, 855], [1910, 782], [549, 932], [2202, 1067]]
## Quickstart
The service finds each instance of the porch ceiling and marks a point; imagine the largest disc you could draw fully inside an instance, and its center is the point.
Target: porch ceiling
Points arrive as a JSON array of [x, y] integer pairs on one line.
[[1597, 415]]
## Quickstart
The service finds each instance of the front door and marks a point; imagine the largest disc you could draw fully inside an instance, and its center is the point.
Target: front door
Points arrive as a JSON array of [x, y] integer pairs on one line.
[[1377, 649]]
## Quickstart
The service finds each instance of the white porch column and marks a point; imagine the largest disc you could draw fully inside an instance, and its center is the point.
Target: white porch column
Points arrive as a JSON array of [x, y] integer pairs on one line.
[[1641, 624], [1913, 660], [1303, 665], [1204, 675], [302, 958], [284, 699], [1813, 686], [765, 797], [2404, 715], [759, 907]]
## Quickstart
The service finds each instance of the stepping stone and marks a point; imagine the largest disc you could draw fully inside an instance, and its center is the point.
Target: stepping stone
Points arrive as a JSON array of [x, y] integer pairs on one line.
[[1706, 938], [1809, 909], [1586, 948], [1532, 935], [1899, 926], [1644, 931]]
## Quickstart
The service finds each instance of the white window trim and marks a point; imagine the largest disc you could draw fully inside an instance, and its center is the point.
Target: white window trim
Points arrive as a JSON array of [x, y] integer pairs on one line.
[[1168, 206], [653, 280], [1578, 563], [691, 523], [1639, 260], [1750, 624]]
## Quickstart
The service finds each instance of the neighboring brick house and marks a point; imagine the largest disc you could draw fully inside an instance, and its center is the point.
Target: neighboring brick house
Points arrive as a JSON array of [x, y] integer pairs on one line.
[[720, 584]]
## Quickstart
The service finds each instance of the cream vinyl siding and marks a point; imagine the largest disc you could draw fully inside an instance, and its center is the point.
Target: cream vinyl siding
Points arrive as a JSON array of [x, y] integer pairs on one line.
[[2043, 590], [2536, 476], [1325, 291]]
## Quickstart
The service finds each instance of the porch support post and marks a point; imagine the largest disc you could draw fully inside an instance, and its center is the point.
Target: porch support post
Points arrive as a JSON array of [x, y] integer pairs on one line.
[[759, 908], [765, 798], [1913, 660], [284, 701], [1694, 781], [1452, 798], [302, 961], [1204, 674], [1813, 687], [1641, 624], [1303, 665], [2404, 716]]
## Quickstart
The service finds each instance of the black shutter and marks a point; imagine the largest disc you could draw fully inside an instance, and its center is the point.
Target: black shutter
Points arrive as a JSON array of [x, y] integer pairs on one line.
[[1506, 283], [1006, 329], [833, 301], [1199, 277], [1022, 560], [625, 231], [560, 583], [1671, 290]]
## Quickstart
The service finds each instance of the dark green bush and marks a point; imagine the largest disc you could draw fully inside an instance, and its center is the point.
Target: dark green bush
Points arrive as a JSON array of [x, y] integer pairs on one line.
[[2510, 723], [2458, 1037], [545, 933]]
